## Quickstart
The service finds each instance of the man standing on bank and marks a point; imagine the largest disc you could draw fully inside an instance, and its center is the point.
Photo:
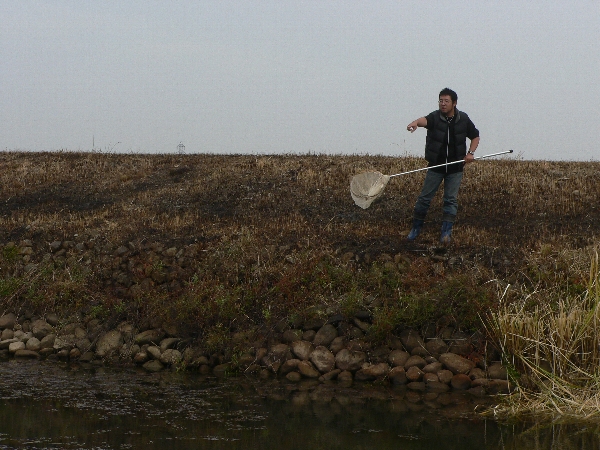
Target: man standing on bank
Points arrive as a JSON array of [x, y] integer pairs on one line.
[[446, 142]]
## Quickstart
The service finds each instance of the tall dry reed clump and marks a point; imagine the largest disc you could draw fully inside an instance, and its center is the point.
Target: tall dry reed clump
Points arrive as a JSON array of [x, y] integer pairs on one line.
[[550, 338]]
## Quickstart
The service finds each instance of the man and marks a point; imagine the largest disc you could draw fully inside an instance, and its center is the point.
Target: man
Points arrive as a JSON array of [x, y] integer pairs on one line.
[[446, 142]]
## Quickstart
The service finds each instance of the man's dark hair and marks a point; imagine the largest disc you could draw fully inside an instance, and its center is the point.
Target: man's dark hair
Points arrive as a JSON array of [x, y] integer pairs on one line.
[[451, 93]]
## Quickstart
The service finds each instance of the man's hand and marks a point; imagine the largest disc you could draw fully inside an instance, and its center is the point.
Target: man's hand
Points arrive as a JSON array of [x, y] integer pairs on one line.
[[469, 158], [412, 126]]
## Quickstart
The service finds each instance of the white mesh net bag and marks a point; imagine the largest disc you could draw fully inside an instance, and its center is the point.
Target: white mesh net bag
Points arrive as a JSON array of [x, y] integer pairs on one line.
[[366, 187]]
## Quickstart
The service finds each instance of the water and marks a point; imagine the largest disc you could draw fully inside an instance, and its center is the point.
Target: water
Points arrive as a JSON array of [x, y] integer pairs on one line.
[[51, 406]]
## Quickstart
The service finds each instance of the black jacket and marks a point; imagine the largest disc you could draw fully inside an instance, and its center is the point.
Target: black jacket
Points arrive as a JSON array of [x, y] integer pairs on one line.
[[447, 141]]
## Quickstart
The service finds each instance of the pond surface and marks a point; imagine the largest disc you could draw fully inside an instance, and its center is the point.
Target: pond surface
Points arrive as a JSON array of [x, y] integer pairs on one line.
[[45, 405]]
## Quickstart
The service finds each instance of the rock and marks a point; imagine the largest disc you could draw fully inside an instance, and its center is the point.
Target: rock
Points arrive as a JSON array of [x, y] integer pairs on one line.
[[22, 353], [362, 326], [480, 382], [140, 358], [290, 336], [461, 382], [330, 375], [6, 343], [288, 366], [420, 351], [322, 359], [397, 375], [302, 349], [477, 391], [171, 357], [279, 352], [52, 319], [7, 333], [337, 344], [445, 376], [476, 373], [355, 333], [411, 339], [415, 360], [40, 328], [436, 346], [87, 357], [149, 337], [83, 345], [33, 344], [350, 361], [46, 352], [74, 353], [456, 364], [497, 372], [398, 358], [153, 351], [461, 347], [372, 372], [314, 324], [8, 321], [307, 370], [294, 377], [345, 377], [429, 377], [309, 335], [109, 343], [325, 336], [168, 343], [417, 386], [13, 347], [48, 341], [433, 367], [499, 387], [65, 342], [153, 366], [414, 374]]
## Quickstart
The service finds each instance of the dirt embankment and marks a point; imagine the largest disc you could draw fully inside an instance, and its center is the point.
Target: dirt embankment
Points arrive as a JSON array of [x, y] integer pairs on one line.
[[235, 242]]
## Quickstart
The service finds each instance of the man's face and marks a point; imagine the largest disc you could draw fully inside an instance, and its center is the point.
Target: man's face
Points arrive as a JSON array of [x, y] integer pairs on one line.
[[446, 105]]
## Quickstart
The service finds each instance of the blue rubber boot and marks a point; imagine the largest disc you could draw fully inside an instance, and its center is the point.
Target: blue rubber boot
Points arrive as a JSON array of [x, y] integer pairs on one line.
[[416, 229], [446, 236]]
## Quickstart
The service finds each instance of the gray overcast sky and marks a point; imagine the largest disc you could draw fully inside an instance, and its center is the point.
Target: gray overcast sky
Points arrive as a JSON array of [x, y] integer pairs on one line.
[[297, 76]]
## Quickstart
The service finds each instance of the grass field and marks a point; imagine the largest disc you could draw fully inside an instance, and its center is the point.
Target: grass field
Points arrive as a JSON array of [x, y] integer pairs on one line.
[[220, 244]]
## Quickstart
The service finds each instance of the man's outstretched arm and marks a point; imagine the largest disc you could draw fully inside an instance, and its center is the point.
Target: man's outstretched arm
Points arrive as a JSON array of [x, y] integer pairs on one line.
[[420, 122]]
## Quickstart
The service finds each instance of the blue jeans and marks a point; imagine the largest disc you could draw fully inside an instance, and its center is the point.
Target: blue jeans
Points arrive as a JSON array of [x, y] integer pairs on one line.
[[430, 186]]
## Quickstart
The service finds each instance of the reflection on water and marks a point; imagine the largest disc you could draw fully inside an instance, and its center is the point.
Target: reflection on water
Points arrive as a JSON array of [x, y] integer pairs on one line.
[[45, 405]]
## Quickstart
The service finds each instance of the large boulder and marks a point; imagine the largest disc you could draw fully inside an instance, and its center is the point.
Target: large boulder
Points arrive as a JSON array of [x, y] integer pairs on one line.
[[16, 346], [372, 372], [397, 358], [152, 337], [8, 321], [456, 364], [33, 344], [325, 336], [40, 328], [109, 343], [302, 349], [322, 359], [307, 370], [171, 357], [347, 360], [65, 342], [411, 340]]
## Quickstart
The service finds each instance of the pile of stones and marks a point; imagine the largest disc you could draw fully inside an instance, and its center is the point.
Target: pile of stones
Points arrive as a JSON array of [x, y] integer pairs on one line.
[[319, 350]]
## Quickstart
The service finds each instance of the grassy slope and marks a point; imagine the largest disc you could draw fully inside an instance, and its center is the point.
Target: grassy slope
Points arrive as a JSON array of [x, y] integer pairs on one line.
[[259, 238]]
